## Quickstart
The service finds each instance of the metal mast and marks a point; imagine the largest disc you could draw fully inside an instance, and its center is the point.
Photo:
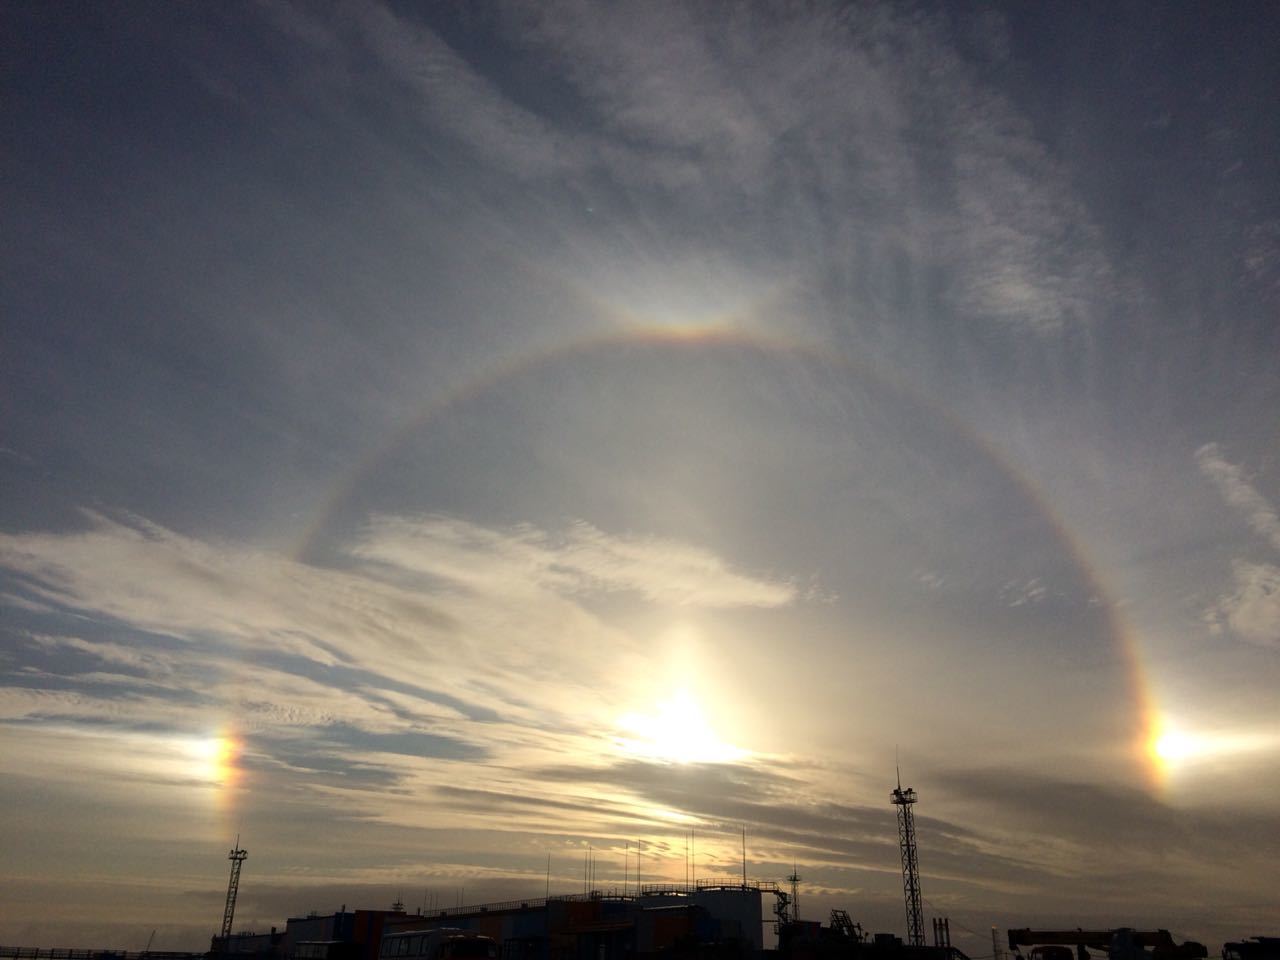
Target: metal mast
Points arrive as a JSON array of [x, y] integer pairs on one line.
[[903, 800], [794, 880], [236, 856]]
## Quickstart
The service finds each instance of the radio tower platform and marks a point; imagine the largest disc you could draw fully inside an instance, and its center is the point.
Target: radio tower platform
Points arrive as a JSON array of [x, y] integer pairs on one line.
[[236, 856], [904, 800]]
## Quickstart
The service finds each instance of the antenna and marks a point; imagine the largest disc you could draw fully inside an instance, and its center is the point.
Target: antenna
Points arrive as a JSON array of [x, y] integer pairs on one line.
[[237, 857], [904, 800], [744, 856], [548, 893], [794, 880]]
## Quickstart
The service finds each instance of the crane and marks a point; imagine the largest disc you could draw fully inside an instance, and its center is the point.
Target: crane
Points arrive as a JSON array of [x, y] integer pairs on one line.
[[1122, 943]]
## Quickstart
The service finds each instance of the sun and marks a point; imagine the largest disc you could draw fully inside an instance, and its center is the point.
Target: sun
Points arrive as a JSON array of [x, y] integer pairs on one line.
[[1173, 746], [676, 731], [1176, 750]]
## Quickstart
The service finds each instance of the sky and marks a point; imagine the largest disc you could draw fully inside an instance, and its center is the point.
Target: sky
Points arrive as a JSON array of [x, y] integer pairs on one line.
[[443, 442]]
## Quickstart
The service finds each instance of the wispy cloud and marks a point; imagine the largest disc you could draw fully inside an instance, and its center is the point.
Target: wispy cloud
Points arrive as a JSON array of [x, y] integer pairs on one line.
[[1087, 845], [838, 123], [1017, 593], [440, 640], [147, 663], [1231, 482], [1252, 610], [726, 97], [168, 584], [579, 562], [160, 581], [459, 98], [1262, 254]]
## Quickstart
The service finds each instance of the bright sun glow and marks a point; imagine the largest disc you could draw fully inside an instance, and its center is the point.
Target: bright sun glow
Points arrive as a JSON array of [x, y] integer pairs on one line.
[[216, 759], [1174, 746], [677, 732], [1175, 749]]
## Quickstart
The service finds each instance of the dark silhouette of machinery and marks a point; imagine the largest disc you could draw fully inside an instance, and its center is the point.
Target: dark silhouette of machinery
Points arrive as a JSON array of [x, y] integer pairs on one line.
[[1252, 948], [845, 927], [1123, 943]]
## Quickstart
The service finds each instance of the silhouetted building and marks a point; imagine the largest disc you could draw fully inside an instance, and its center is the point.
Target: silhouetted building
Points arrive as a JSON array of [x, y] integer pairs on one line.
[[706, 919], [342, 935], [247, 945]]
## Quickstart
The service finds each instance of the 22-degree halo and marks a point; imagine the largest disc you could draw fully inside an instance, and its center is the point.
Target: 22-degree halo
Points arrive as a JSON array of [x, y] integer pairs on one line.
[[1143, 727]]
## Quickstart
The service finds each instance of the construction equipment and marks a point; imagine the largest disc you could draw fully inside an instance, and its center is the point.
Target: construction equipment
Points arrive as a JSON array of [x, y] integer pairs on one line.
[[845, 927], [1122, 943], [1252, 948]]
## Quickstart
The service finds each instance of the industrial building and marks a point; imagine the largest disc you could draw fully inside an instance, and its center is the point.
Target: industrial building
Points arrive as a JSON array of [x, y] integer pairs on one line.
[[347, 935], [708, 918], [659, 919]]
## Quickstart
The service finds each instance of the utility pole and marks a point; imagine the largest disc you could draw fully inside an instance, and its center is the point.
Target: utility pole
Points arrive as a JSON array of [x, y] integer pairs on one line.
[[904, 800]]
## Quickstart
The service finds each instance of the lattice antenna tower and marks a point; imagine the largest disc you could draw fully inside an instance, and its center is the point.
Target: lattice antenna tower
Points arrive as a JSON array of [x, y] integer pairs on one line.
[[237, 857], [794, 880], [904, 800]]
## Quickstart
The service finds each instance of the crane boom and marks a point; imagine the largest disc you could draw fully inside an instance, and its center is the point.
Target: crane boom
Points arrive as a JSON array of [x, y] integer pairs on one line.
[[1120, 944]]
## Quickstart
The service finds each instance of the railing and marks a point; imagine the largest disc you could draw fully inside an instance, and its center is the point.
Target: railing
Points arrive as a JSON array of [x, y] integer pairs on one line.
[[647, 889], [710, 883], [525, 904]]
